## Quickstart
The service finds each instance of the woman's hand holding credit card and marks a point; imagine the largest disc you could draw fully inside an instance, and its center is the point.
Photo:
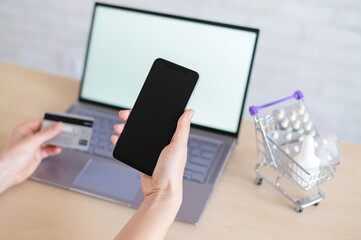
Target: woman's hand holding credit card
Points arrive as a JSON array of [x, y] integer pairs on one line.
[[76, 131]]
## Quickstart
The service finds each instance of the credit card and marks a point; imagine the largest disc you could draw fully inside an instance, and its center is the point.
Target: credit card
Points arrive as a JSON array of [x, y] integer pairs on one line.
[[76, 132]]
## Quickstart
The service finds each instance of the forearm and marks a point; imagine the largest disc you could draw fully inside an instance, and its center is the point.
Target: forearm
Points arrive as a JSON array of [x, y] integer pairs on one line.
[[6, 179], [152, 219]]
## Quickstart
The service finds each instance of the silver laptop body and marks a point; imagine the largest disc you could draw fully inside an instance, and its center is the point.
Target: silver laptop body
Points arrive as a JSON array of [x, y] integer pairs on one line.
[[122, 45]]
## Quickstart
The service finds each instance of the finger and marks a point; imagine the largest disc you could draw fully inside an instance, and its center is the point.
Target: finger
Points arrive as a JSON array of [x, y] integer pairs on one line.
[[27, 128], [34, 125], [50, 151], [118, 128], [114, 139], [124, 114], [48, 133], [182, 132]]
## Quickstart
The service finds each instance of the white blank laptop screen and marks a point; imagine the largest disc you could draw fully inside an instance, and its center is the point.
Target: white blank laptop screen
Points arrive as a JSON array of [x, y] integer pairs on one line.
[[124, 44]]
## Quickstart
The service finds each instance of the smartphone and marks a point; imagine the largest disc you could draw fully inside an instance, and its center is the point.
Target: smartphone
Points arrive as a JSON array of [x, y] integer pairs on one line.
[[153, 119]]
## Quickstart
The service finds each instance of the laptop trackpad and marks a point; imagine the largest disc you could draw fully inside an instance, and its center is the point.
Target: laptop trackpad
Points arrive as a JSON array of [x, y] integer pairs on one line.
[[109, 180]]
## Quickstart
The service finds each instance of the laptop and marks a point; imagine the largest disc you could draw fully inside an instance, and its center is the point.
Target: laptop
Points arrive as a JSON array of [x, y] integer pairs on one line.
[[123, 43]]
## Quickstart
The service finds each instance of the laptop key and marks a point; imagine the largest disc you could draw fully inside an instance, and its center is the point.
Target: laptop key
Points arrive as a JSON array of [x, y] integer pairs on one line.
[[193, 144], [201, 161], [110, 147], [209, 147], [101, 144], [198, 177], [102, 135], [196, 168], [208, 155], [196, 152], [187, 175]]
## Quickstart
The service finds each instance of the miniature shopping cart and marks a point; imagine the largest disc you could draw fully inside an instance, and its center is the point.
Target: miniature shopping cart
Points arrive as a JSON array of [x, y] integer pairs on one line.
[[279, 135]]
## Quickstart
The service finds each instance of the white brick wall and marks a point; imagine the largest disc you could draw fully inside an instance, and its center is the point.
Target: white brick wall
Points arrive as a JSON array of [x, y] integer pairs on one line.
[[312, 45]]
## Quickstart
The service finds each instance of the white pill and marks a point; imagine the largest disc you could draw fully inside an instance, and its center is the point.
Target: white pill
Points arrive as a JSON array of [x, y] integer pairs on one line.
[[301, 138], [296, 124], [274, 147], [313, 133], [296, 148], [287, 151], [275, 135], [284, 123], [329, 157], [305, 118], [288, 136], [308, 126], [301, 131], [316, 144], [280, 113], [289, 129], [301, 109], [324, 141], [293, 116]]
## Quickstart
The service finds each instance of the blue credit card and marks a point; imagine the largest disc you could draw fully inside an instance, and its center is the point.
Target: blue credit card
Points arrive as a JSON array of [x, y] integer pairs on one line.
[[76, 132]]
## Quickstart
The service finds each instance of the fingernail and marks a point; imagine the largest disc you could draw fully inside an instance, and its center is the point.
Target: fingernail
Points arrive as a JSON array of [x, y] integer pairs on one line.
[[190, 114], [58, 126]]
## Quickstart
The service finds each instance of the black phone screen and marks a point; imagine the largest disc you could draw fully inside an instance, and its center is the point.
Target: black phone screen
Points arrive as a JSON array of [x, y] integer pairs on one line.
[[153, 119]]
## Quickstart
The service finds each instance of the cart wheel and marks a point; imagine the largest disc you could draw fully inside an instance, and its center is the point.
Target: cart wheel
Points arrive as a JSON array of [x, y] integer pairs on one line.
[[299, 209], [259, 181], [316, 204]]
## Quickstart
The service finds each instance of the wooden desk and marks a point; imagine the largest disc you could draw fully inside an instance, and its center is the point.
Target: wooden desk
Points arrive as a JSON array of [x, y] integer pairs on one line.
[[238, 209]]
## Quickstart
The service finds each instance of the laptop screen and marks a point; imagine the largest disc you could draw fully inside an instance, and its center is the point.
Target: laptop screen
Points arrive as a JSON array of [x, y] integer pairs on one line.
[[124, 43]]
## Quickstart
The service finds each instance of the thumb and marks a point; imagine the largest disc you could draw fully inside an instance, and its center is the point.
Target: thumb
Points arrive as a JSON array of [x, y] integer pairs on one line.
[[182, 132], [48, 133]]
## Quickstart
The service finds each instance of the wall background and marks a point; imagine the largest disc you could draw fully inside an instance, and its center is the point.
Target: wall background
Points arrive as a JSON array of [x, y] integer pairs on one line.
[[312, 45]]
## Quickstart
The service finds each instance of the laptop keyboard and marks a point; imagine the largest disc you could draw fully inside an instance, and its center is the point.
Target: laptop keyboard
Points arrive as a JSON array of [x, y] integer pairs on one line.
[[201, 153]]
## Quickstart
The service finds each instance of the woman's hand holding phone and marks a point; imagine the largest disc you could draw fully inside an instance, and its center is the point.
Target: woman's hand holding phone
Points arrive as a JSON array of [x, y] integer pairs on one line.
[[163, 190], [168, 174]]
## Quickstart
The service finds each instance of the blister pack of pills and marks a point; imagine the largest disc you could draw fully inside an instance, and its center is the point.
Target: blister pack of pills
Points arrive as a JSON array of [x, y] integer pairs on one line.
[[282, 137], [295, 118]]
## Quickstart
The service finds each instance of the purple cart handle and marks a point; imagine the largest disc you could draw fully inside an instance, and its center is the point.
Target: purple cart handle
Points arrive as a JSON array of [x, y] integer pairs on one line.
[[254, 109]]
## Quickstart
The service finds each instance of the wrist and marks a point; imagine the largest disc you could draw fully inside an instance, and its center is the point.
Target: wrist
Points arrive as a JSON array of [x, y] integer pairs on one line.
[[6, 179], [153, 217], [169, 200]]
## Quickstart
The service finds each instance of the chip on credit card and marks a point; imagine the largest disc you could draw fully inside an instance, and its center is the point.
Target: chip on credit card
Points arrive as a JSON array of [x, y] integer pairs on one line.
[[76, 132]]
